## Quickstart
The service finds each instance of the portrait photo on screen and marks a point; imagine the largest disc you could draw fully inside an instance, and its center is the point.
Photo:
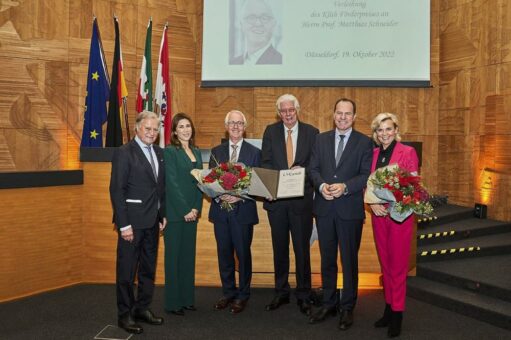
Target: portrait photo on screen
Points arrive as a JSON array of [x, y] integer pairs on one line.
[[255, 32]]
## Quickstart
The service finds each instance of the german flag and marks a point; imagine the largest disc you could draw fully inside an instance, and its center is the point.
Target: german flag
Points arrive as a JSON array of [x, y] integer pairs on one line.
[[118, 95]]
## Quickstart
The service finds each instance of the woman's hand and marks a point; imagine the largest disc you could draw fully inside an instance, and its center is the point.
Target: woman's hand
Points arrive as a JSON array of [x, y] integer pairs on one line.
[[192, 215], [379, 209]]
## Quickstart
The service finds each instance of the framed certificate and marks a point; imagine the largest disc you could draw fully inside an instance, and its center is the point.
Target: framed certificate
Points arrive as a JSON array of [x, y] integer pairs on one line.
[[277, 184]]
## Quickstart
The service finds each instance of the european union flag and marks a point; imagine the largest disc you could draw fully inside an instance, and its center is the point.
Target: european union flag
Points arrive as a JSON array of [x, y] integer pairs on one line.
[[98, 90]]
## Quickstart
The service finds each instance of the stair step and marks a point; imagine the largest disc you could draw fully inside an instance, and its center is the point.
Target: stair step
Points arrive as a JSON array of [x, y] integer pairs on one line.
[[497, 244], [459, 230], [488, 275], [447, 213], [494, 311]]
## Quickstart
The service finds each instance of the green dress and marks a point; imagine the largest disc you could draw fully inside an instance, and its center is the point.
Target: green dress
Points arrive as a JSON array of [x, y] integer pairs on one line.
[[182, 195]]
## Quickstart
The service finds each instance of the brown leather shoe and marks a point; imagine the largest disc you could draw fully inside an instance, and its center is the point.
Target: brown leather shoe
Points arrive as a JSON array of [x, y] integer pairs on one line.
[[237, 306], [222, 303]]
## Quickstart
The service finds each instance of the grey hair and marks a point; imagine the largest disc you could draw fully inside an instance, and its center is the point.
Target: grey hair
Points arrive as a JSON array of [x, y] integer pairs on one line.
[[288, 97], [145, 115], [226, 120]]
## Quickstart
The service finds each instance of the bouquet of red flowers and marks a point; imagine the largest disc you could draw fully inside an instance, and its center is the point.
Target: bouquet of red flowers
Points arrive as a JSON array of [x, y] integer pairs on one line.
[[402, 190], [225, 178]]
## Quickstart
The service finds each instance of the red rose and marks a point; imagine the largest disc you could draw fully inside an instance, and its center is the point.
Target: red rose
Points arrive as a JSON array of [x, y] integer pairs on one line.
[[243, 173], [416, 196], [404, 181], [228, 181], [209, 179], [224, 166], [398, 195]]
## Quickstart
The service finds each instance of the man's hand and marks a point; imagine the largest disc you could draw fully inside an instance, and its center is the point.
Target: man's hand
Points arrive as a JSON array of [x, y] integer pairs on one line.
[[325, 191], [127, 235], [163, 224], [230, 198], [337, 189]]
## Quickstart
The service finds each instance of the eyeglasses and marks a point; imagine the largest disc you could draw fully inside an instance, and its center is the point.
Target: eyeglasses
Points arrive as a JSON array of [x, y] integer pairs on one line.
[[231, 123], [291, 110], [263, 19]]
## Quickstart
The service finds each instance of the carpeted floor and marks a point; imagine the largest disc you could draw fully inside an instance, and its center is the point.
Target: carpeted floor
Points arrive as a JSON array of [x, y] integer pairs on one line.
[[81, 312]]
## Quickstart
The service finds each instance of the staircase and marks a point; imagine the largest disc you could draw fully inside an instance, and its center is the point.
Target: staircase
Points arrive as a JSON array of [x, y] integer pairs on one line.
[[464, 265]]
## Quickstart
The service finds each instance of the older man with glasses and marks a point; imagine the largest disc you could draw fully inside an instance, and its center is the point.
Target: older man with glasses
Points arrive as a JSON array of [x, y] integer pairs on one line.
[[288, 144], [258, 26], [234, 228]]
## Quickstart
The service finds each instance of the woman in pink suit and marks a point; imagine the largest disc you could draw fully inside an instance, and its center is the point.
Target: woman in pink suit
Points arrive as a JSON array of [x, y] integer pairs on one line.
[[392, 239]]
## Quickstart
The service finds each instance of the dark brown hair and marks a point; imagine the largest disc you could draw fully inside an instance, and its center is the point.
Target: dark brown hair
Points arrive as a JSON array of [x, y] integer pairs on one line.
[[349, 101], [173, 137]]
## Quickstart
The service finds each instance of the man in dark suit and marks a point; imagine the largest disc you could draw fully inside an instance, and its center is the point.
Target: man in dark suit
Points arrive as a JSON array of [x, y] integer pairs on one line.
[[234, 228], [339, 168], [137, 187], [288, 144], [268, 56], [258, 25]]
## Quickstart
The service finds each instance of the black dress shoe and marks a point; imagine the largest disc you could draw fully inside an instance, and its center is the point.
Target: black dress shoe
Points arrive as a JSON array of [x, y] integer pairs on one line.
[[396, 318], [190, 308], [305, 307], [223, 303], [321, 314], [277, 302], [148, 317], [346, 320], [385, 319], [179, 312], [127, 323], [237, 306]]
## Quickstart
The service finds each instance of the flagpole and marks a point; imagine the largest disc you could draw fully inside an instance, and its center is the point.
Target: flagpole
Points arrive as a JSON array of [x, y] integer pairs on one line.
[[103, 55], [125, 109]]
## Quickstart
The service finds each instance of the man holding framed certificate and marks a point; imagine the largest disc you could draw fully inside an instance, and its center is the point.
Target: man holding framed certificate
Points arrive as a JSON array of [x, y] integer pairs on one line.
[[287, 144]]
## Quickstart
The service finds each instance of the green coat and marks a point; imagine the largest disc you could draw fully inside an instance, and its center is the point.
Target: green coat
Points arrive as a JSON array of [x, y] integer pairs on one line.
[[182, 193]]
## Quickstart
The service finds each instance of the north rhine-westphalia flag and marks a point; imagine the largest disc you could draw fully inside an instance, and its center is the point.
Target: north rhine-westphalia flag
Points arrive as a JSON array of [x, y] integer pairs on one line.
[[162, 91], [145, 83], [118, 94], [97, 93]]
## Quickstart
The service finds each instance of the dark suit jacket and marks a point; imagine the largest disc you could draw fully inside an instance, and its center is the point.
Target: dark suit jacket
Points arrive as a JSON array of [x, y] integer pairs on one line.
[[245, 211], [134, 191], [274, 157], [353, 170], [270, 57], [183, 195]]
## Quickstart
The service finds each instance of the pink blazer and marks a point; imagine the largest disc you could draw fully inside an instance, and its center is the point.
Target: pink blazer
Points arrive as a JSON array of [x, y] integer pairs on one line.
[[403, 155]]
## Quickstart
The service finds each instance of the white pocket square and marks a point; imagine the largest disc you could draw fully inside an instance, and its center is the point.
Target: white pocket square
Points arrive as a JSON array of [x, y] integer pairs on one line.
[[129, 200]]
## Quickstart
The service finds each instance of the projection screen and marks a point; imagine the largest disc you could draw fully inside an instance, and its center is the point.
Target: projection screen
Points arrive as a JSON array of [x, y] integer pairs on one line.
[[316, 43]]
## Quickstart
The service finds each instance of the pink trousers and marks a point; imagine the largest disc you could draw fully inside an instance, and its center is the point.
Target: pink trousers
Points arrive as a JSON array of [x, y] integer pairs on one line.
[[393, 242]]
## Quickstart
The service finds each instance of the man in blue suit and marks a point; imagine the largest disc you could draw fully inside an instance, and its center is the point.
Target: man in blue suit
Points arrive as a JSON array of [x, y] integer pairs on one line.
[[234, 229], [339, 167]]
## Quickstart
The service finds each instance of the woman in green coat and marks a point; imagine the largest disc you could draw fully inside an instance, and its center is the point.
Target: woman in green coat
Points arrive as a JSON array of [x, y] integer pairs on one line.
[[183, 204]]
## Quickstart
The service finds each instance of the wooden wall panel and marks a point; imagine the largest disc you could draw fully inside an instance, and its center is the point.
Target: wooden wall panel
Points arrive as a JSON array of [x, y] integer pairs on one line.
[[42, 240], [474, 104], [44, 53], [100, 241]]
